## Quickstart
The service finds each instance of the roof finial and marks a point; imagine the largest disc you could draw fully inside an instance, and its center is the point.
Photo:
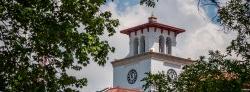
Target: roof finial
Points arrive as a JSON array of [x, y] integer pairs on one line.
[[152, 14], [152, 18]]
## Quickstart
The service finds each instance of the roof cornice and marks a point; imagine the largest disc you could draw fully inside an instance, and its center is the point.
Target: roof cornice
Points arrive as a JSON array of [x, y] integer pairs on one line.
[[153, 24], [152, 55]]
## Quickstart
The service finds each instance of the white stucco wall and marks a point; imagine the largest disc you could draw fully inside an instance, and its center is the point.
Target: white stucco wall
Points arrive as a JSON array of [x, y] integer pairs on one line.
[[147, 65], [120, 74], [159, 66]]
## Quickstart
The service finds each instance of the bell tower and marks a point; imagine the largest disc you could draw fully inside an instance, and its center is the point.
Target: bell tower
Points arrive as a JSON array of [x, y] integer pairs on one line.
[[152, 36], [150, 50]]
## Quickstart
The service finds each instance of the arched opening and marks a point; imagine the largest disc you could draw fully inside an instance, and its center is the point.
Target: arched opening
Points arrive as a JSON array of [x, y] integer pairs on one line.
[[142, 44], [161, 44], [169, 45], [136, 46]]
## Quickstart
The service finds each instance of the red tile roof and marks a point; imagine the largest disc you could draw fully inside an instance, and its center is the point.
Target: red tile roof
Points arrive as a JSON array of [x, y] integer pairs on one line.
[[118, 89], [153, 24]]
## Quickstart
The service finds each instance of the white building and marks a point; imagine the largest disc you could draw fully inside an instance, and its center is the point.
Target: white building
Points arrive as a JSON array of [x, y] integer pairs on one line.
[[150, 49]]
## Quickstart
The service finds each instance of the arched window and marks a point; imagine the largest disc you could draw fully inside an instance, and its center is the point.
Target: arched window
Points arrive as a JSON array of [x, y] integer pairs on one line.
[[136, 46], [169, 45], [161, 44], [142, 44]]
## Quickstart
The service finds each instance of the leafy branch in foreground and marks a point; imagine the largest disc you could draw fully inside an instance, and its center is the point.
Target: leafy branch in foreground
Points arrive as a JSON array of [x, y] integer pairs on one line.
[[149, 3], [160, 82], [215, 74], [41, 39]]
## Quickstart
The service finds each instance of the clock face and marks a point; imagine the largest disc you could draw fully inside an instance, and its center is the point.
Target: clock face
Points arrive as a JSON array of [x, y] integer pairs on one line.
[[172, 74], [132, 76]]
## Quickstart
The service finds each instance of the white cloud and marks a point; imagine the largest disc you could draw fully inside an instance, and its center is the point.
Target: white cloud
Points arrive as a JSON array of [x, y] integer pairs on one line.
[[200, 36]]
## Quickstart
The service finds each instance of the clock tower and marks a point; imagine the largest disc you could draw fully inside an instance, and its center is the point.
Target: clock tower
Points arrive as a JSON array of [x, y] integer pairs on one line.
[[150, 50]]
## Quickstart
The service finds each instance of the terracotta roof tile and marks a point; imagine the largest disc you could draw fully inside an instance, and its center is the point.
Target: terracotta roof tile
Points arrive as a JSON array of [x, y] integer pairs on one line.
[[153, 24], [118, 89]]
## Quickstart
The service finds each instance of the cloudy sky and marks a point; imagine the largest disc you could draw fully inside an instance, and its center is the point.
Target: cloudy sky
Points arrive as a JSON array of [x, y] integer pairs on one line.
[[201, 34]]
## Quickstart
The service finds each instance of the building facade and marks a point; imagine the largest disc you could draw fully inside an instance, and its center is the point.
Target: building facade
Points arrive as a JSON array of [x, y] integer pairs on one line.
[[150, 50]]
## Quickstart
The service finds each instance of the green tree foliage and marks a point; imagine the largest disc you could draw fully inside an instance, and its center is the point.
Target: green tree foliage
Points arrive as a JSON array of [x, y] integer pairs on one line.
[[149, 3], [215, 74], [219, 73], [160, 82], [40, 40], [235, 16]]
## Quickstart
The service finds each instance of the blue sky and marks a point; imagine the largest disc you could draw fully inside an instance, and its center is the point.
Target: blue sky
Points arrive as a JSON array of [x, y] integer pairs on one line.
[[211, 10], [122, 4]]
